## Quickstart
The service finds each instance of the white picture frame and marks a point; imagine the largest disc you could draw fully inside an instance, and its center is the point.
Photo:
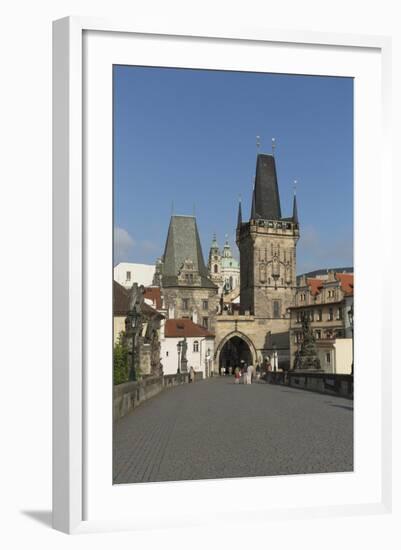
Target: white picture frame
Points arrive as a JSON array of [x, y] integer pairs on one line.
[[71, 258]]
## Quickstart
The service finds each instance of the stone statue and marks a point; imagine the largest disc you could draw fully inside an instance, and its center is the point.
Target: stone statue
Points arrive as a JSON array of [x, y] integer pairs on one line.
[[184, 348], [136, 298], [184, 360], [307, 357]]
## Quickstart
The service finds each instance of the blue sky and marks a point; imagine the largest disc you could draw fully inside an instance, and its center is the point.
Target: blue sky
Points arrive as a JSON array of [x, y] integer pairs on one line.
[[187, 138]]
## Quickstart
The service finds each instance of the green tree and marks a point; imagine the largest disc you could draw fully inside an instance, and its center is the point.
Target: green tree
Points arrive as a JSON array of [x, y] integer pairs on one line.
[[120, 361]]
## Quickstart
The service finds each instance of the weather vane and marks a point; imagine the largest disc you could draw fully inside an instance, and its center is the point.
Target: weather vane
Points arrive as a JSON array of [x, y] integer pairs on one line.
[[257, 143], [295, 186], [273, 145]]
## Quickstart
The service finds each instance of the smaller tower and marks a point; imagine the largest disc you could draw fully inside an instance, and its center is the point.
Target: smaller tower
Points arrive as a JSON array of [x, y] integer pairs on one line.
[[214, 263], [230, 269]]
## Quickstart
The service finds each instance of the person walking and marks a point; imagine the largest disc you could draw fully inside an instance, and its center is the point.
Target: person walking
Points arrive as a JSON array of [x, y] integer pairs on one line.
[[249, 374], [191, 374], [244, 374], [237, 374]]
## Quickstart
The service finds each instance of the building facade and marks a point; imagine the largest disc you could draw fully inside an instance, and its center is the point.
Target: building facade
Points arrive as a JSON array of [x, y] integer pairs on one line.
[[327, 302], [199, 347], [126, 274]]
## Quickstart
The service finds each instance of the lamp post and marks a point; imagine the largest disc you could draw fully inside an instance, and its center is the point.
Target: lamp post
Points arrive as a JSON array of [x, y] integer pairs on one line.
[[179, 357], [351, 324], [207, 363]]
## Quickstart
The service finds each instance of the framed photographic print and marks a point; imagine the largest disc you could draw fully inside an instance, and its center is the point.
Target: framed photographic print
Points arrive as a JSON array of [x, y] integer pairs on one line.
[[216, 195]]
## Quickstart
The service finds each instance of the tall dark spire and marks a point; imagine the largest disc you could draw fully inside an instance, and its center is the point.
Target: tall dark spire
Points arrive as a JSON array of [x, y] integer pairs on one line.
[[253, 208], [295, 210], [239, 219], [266, 198]]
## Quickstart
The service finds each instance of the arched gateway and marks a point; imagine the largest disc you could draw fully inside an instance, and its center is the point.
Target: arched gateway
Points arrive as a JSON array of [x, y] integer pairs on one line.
[[234, 348]]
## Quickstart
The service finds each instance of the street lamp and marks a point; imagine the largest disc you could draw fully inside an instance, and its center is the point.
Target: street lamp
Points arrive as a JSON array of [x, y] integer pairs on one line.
[[351, 324], [207, 363], [179, 356]]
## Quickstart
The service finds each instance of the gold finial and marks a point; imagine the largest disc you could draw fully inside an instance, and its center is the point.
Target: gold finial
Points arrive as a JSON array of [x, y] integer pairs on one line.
[[294, 185]]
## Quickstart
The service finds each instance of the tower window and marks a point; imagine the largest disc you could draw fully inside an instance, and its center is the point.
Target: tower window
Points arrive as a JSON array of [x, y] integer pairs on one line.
[[276, 309], [331, 316], [196, 346], [205, 322], [185, 303], [205, 304], [128, 275], [216, 268]]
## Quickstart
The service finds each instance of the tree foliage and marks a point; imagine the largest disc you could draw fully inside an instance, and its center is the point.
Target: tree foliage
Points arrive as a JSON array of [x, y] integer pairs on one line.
[[120, 361]]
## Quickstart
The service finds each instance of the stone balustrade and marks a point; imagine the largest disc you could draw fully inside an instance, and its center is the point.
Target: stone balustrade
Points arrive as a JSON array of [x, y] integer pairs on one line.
[[130, 395], [322, 382]]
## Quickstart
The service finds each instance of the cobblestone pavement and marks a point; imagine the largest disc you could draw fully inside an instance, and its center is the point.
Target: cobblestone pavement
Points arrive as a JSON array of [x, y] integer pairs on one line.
[[215, 429]]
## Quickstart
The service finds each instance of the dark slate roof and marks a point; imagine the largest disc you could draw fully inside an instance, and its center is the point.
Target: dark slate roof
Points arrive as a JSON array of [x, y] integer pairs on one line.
[[295, 210], [266, 198], [239, 219], [183, 243]]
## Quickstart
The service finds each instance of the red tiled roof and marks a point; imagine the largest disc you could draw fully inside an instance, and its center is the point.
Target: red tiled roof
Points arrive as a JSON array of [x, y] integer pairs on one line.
[[120, 299], [347, 282], [153, 293], [184, 327], [315, 285], [121, 302]]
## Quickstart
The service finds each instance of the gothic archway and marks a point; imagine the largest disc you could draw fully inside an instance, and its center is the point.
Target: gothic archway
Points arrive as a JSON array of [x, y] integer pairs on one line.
[[234, 348]]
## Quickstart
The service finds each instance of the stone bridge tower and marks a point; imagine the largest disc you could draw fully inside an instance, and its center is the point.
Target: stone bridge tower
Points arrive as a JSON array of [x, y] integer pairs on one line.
[[267, 245]]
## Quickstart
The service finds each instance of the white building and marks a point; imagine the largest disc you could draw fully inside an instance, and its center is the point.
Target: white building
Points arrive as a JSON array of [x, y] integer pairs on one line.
[[199, 341], [128, 273]]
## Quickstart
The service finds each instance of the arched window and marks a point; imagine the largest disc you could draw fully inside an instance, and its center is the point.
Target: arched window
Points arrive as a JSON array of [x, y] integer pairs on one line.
[[196, 346], [215, 268]]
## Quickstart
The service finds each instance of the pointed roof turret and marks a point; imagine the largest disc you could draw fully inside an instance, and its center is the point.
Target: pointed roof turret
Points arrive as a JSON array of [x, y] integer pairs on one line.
[[253, 208], [266, 198], [214, 244], [227, 249], [239, 219], [183, 244], [295, 210]]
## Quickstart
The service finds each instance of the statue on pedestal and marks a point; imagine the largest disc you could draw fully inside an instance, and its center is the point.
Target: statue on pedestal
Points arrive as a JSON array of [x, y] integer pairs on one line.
[[307, 357]]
